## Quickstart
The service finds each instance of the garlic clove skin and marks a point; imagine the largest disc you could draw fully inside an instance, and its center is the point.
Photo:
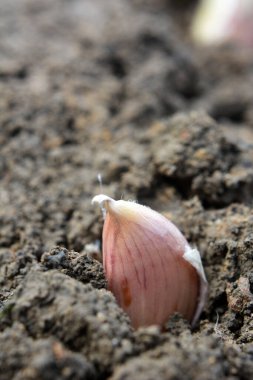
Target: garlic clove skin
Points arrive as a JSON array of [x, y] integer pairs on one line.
[[150, 268]]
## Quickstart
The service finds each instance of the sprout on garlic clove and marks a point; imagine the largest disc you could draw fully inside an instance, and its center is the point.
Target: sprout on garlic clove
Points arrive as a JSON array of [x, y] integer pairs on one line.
[[150, 268]]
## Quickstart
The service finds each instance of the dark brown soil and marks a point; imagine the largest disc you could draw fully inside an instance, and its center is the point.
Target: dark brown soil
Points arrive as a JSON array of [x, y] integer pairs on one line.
[[115, 87]]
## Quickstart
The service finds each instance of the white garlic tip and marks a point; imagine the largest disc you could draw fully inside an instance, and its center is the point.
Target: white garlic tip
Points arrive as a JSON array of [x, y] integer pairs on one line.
[[100, 199]]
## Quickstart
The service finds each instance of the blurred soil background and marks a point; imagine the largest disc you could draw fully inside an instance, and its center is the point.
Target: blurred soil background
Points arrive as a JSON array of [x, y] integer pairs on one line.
[[116, 87]]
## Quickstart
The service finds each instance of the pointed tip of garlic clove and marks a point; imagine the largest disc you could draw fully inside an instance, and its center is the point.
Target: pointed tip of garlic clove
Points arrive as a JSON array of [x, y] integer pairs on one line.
[[127, 209], [101, 199]]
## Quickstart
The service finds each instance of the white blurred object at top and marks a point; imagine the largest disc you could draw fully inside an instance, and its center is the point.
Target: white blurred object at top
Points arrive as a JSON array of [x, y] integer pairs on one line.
[[218, 21]]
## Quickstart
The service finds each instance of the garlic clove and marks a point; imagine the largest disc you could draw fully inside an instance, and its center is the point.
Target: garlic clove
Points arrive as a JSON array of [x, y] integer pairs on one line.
[[219, 21], [151, 269]]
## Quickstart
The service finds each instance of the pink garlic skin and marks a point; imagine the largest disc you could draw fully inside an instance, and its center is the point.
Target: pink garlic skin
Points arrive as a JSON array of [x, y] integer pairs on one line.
[[150, 267]]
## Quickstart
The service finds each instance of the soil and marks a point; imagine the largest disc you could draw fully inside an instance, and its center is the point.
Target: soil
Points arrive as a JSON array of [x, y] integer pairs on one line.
[[117, 88]]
